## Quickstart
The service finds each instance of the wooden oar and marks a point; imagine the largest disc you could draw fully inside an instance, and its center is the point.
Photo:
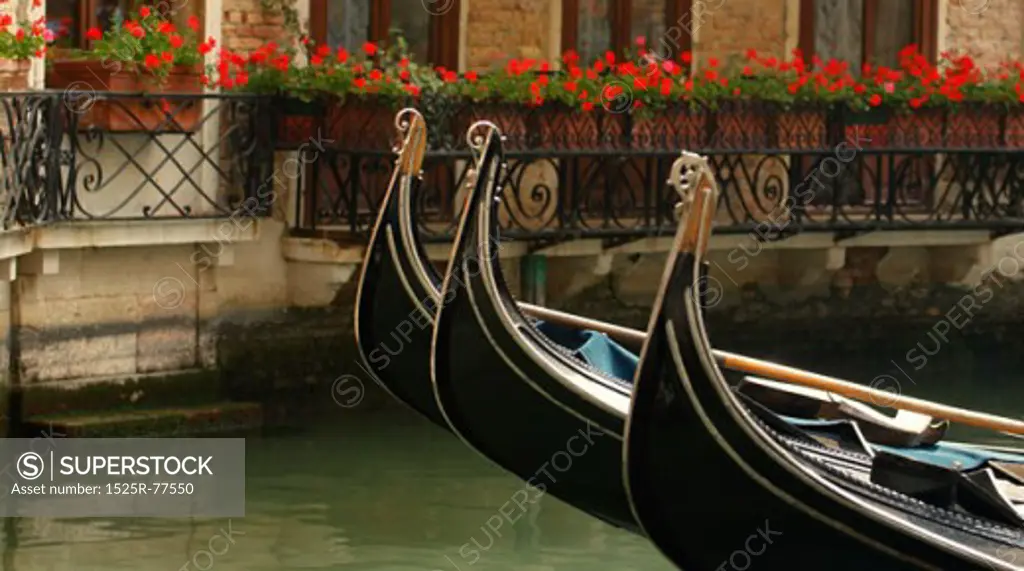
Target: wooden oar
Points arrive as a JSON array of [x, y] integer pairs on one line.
[[798, 376]]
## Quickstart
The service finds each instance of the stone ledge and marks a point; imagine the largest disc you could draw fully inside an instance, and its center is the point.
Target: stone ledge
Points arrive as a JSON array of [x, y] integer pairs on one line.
[[156, 232], [218, 418], [122, 233], [321, 251], [127, 392]]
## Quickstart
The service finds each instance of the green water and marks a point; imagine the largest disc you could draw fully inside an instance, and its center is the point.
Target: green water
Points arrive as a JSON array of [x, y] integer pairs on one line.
[[381, 491]]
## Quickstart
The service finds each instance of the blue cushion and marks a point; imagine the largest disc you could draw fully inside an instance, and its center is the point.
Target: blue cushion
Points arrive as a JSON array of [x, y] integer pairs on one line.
[[600, 351], [594, 348]]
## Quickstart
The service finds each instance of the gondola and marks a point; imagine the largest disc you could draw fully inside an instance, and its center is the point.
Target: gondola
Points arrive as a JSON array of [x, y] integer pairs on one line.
[[717, 481], [399, 291], [397, 295], [509, 389], [521, 403], [398, 279]]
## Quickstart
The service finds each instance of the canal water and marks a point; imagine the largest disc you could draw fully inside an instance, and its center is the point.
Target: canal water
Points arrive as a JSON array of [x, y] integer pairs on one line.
[[381, 491]]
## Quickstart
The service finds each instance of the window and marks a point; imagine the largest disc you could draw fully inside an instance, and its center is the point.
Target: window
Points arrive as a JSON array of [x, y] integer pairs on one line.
[[592, 27], [70, 19], [432, 38], [867, 31]]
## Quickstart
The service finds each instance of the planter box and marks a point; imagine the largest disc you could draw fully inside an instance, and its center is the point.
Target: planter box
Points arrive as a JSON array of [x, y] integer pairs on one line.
[[561, 127], [742, 125], [673, 128], [90, 78], [14, 75], [513, 120], [963, 127], [364, 124], [801, 129], [299, 122], [1014, 137]]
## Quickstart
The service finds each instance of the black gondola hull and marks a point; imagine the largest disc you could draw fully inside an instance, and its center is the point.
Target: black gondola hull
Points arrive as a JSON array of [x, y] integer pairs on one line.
[[743, 501], [396, 307], [498, 394]]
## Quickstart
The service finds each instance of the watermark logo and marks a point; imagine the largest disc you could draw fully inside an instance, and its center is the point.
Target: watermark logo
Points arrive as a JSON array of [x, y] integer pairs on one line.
[[348, 391], [756, 544], [218, 545], [887, 384], [79, 97], [438, 7], [617, 97], [709, 292], [168, 293], [30, 465], [974, 7]]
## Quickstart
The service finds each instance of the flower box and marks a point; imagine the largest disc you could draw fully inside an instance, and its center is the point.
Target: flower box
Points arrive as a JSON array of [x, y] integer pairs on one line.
[[299, 122], [1014, 134], [673, 128], [966, 127], [89, 79], [14, 75], [740, 125], [514, 121], [361, 123], [801, 128], [561, 127]]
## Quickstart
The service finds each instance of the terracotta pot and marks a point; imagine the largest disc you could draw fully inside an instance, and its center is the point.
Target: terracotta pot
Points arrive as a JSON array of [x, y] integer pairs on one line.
[[364, 124], [14, 75], [672, 128], [89, 79], [299, 122]]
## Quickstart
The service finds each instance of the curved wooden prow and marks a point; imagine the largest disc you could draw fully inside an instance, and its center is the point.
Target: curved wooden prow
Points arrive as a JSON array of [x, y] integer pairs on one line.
[[693, 180], [414, 145]]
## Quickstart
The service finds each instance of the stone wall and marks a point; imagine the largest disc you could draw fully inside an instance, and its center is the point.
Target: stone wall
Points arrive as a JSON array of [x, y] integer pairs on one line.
[[728, 28], [991, 30], [497, 30]]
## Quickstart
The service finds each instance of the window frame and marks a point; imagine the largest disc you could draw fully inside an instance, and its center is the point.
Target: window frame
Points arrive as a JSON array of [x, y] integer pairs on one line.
[[622, 19], [442, 41], [926, 28], [87, 18]]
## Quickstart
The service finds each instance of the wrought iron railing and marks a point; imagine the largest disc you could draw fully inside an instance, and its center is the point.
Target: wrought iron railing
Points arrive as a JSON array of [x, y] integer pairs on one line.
[[602, 174], [95, 156]]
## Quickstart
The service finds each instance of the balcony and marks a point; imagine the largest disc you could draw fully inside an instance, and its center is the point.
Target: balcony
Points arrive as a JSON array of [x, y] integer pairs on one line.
[[602, 174], [130, 157], [87, 157]]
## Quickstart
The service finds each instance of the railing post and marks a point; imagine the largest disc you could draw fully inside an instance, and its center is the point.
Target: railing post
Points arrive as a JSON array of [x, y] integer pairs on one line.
[[52, 186], [534, 278]]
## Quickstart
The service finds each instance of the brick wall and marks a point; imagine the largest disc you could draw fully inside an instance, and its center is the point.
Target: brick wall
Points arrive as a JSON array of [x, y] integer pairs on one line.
[[990, 30], [500, 29], [246, 25]]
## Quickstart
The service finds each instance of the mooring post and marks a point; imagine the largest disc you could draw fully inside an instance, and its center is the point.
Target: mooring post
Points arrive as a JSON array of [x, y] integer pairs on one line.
[[535, 278]]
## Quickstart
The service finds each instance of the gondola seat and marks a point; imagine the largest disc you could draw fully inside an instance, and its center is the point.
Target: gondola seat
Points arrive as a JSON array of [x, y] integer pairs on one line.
[[593, 348]]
